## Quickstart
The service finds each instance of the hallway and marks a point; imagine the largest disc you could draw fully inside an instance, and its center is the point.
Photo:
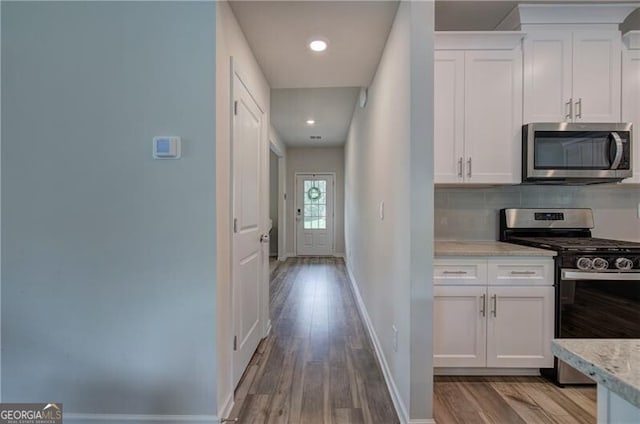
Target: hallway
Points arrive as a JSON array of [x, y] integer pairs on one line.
[[318, 364]]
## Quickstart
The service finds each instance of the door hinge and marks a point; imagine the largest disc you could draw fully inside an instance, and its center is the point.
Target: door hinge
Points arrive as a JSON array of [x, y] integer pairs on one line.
[[235, 343], [235, 107], [235, 225], [285, 196]]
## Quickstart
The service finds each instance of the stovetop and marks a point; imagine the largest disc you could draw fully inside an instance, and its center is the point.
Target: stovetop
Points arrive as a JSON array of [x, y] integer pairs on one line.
[[581, 244]]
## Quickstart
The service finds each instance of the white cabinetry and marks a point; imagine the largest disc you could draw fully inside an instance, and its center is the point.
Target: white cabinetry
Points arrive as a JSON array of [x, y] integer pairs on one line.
[[478, 108], [495, 313], [631, 96], [572, 76]]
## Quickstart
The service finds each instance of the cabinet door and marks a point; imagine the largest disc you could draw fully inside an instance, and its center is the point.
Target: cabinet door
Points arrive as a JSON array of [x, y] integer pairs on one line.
[[459, 331], [449, 116], [547, 76], [493, 116], [631, 105], [520, 327], [597, 75]]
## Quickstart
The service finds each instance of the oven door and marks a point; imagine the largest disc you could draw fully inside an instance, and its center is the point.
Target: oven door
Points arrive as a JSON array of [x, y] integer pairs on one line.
[[599, 304], [577, 151], [595, 305]]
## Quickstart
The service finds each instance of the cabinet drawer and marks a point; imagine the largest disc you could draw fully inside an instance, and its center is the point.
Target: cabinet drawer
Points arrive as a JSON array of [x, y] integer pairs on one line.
[[465, 272], [521, 272]]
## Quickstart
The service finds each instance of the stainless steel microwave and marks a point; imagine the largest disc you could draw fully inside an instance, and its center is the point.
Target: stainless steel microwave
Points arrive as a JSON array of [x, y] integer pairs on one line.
[[557, 153]]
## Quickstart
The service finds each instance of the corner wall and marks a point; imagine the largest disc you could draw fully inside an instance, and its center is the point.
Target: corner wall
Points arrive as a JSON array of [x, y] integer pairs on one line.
[[109, 269], [388, 158]]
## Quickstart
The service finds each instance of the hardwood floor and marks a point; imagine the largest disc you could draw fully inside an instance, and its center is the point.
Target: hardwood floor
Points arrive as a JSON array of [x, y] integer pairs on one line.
[[511, 400], [318, 366]]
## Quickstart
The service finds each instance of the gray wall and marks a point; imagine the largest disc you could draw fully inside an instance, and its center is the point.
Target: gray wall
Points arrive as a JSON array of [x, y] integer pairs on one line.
[[321, 159], [108, 277], [472, 214], [388, 158]]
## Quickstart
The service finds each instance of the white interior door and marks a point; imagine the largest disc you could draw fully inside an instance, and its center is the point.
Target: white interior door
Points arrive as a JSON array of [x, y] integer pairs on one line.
[[247, 251], [314, 214]]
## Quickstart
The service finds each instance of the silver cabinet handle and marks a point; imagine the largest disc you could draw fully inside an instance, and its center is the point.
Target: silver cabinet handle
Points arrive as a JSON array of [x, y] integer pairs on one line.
[[569, 115], [460, 167], [454, 272], [483, 304], [469, 167], [579, 108], [494, 312], [523, 272]]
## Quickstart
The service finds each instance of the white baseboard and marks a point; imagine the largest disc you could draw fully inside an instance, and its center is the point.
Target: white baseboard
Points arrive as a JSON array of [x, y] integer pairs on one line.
[[429, 421], [227, 406], [401, 410], [339, 255], [123, 418], [487, 371]]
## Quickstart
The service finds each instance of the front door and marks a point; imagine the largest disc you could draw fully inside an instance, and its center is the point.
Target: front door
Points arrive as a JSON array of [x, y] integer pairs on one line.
[[314, 214], [247, 251]]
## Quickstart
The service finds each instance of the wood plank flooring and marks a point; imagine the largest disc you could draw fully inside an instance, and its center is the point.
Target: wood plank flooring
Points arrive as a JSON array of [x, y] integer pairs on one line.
[[318, 366], [511, 400]]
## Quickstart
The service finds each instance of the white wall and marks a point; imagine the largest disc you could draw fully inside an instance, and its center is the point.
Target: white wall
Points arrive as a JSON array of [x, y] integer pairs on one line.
[[323, 159], [230, 41], [388, 158], [472, 214], [109, 270]]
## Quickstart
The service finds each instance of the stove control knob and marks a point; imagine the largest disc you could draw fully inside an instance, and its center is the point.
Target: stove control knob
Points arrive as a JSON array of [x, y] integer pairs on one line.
[[624, 264], [600, 264], [584, 264]]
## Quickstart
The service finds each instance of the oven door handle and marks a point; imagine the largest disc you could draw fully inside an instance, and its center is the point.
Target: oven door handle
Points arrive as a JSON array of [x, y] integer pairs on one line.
[[619, 150], [611, 276]]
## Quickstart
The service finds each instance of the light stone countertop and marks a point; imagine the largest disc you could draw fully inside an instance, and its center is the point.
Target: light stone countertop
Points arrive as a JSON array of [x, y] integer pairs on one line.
[[487, 248], [614, 363]]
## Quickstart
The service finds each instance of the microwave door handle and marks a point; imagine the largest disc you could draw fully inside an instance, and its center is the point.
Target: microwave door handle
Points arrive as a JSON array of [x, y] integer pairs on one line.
[[618, 156]]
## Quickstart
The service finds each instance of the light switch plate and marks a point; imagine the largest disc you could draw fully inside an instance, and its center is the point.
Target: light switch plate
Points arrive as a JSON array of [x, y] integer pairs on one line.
[[167, 147]]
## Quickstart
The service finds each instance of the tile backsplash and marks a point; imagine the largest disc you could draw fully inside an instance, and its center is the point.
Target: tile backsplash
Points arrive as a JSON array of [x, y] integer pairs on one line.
[[472, 213]]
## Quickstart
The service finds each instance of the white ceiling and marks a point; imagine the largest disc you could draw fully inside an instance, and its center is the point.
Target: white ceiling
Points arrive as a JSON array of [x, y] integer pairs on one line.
[[278, 33], [331, 108]]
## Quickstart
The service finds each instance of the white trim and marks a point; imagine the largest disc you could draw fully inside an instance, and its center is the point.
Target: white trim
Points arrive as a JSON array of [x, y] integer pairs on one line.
[[227, 406], [176, 419], [339, 255], [427, 421], [632, 39], [487, 371], [401, 410], [333, 206], [477, 40], [526, 14]]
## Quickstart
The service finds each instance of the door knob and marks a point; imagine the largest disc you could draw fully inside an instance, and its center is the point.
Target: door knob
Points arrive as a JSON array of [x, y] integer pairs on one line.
[[264, 238]]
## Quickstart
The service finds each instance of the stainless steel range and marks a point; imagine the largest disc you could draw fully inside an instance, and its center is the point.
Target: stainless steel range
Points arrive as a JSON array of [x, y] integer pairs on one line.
[[597, 281]]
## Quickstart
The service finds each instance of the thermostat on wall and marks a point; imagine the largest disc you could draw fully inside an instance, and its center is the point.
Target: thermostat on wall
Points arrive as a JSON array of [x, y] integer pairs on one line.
[[166, 147]]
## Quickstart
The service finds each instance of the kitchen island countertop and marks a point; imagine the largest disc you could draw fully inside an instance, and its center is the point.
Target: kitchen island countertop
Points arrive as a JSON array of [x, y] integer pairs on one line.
[[487, 248], [612, 363]]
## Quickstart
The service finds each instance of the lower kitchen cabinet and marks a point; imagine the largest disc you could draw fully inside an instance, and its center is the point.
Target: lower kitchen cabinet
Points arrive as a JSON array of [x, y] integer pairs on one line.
[[519, 327], [479, 324]]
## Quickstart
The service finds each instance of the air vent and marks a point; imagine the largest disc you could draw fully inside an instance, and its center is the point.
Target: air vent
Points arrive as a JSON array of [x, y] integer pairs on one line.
[[315, 137]]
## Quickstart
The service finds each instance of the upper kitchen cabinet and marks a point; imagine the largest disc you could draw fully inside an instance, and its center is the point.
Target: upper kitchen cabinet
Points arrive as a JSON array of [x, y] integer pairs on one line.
[[631, 95], [572, 60], [478, 107], [572, 76]]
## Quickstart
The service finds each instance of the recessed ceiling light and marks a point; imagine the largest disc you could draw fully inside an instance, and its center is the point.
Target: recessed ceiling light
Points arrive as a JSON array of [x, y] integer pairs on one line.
[[310, 122], [318, 45]]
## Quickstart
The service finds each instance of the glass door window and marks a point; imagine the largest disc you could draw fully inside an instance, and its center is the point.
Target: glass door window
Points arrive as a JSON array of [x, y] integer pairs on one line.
[[315, 204]]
